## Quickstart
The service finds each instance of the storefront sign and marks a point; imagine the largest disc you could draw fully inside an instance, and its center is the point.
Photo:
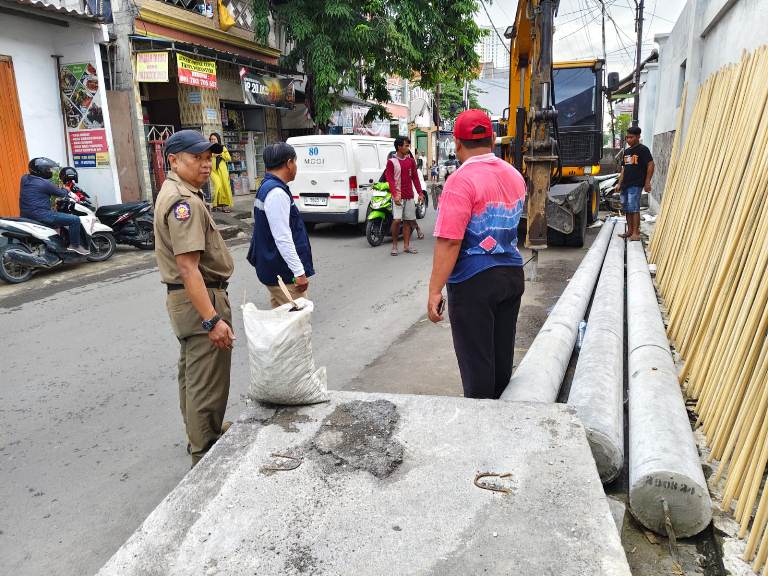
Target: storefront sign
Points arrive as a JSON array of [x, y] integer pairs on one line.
[[152, 67], [196, 72], [266, 91], [211, 115], [83, 115], [194, 97]]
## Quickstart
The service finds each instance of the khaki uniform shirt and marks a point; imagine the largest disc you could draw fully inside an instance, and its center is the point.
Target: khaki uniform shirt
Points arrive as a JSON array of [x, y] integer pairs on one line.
[[183, 224]]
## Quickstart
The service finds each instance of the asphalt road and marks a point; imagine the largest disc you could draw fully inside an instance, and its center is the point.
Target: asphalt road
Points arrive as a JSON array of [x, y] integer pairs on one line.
[[91, 438]]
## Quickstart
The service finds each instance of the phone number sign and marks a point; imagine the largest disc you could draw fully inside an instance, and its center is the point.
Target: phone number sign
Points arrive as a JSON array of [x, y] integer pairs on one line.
[[194, 72]]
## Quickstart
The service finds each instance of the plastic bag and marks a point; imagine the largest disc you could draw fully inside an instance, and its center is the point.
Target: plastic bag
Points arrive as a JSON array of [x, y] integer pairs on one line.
[[280, 354]]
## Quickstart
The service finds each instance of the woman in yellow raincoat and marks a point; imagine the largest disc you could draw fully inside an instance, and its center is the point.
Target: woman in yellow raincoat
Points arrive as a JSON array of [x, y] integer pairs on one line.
[[221, 190]]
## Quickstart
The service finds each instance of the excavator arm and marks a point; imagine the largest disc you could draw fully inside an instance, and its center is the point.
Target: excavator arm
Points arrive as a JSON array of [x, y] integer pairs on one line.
[[532, 112]]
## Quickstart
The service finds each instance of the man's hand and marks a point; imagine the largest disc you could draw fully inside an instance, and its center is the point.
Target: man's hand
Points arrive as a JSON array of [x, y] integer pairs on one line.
[[433, 305], [221, 336], [397, 200], [617, 188], [302, 283], [421, 197], [648, 187]]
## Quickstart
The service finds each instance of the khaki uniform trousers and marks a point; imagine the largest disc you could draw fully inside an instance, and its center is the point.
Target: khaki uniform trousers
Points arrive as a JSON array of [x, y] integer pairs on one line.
[[277, 298], [203, 370]]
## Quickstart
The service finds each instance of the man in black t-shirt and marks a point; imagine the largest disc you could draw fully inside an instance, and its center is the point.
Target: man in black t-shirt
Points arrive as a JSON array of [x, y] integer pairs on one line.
[[636, 173]]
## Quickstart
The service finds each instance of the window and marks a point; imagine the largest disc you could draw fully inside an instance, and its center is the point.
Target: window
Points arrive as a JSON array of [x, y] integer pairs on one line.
[[321, 158], [681, 83], [369, 159], [575, 96]]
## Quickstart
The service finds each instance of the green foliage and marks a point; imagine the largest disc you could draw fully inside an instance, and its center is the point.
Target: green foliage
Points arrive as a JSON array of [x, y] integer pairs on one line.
[[623, 121], [452, 92], [357, 44]]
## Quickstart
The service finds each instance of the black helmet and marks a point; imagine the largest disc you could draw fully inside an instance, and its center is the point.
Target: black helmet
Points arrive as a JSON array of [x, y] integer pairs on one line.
[[42, 167], [68, 174]]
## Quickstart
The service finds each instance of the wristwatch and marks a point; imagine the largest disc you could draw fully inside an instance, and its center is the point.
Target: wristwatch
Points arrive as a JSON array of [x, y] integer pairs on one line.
[[208, 325]]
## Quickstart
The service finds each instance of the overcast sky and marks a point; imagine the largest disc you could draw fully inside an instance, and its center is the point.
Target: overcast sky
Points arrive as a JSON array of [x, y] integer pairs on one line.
[[578, 28]]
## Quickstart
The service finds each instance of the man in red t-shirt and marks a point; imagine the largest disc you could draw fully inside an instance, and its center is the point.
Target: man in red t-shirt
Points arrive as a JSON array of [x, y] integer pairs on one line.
[[402, 176]]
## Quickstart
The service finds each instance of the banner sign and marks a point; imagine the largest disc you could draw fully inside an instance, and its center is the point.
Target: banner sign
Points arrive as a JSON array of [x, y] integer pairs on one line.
[[196, 72], [152, 67], [83, 115], [266, 91]]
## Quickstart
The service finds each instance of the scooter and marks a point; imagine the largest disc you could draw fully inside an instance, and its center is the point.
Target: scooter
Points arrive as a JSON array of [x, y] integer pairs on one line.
[[131, 222], [379, 216], [27, 245]]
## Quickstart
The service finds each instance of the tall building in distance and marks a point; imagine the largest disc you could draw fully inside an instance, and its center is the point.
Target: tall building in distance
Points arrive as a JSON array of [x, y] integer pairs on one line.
[[490, 48]]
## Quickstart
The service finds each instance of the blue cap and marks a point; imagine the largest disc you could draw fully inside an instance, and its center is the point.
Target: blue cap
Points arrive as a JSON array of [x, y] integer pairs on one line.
[[190, 141]]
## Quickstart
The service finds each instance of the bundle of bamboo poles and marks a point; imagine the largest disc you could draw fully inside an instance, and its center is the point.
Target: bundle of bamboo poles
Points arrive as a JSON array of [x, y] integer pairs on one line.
[[711, 250]]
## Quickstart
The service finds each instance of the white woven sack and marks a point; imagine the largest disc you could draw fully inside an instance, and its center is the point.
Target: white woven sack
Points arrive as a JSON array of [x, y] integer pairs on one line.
[[280, 354]]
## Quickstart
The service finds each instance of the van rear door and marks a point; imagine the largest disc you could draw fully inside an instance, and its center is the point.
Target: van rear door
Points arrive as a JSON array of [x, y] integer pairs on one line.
[[322, 178], [369, 169]]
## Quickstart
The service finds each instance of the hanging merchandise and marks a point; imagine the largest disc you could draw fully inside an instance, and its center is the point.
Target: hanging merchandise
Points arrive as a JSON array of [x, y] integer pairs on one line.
[[225, 17]]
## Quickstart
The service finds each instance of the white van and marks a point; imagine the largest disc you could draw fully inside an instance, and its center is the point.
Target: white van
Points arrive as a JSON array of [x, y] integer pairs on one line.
[[335, 174]]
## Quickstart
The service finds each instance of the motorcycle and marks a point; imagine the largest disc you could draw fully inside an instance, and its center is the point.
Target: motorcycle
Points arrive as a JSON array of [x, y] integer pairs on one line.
[[131, 222], [379, 216], [27, 245]]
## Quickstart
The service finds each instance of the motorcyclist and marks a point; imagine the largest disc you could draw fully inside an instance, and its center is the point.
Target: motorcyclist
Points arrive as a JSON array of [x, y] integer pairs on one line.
[[35, 201], [68, 177]]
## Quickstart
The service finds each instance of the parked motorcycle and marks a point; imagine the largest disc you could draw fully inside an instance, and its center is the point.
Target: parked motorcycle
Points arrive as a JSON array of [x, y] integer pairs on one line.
[[379, 216], [131, 222], [27, 245]]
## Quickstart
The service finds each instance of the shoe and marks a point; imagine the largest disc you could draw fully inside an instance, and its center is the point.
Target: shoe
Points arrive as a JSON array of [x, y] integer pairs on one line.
[[79, 250]]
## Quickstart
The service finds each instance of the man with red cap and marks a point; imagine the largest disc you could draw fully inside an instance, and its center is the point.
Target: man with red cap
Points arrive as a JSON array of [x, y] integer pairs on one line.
[[476, 255]]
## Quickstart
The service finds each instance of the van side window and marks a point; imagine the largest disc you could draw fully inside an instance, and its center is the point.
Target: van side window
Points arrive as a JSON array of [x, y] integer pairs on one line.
[[368, 157]]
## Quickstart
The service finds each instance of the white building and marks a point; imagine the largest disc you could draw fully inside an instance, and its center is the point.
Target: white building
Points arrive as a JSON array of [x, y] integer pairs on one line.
[[53, 99], [491, 49], [708, 35]]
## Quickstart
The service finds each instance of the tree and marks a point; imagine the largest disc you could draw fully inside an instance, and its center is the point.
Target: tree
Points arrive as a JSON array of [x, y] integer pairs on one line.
[[623, 121], [357, 44], [452, 92]]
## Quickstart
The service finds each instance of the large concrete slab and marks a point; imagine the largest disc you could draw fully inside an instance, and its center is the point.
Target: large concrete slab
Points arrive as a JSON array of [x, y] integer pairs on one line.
[[386, 485]]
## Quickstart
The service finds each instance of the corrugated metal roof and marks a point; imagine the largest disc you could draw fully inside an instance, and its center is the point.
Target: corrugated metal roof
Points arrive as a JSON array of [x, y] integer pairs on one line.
[[39, 5]]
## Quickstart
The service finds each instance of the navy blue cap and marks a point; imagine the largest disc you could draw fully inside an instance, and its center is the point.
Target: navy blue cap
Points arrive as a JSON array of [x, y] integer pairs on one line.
[[190, 141]]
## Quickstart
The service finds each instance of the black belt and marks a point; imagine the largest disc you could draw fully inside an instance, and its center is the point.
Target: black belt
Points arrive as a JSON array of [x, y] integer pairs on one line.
[[221, 285]]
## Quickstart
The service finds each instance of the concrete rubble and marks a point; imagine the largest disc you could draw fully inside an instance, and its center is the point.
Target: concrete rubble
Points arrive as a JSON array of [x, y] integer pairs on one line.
[[387, 484]]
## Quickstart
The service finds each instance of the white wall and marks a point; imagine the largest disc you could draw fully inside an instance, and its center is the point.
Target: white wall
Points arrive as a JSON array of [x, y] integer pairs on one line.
[[708, 35], [31, 44], [646, 115]]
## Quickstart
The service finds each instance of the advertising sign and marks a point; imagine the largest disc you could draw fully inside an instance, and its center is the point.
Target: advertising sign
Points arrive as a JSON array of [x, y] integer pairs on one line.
[[194, 72], [267, 91], [83, 115], [152, 67]]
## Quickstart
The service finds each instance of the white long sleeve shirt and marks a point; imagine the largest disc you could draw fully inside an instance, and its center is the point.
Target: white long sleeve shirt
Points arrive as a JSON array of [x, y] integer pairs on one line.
[[277, 207]]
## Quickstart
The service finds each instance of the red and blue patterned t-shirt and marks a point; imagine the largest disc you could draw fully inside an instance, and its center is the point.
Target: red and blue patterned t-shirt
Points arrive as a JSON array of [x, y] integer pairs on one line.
[[481, 204]]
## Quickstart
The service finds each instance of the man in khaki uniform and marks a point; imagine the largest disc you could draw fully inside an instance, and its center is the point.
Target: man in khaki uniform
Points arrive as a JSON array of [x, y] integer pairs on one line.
[[195, 265]]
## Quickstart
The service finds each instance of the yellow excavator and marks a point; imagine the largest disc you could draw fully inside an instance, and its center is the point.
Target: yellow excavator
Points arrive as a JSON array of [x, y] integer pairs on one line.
[[554, 130]]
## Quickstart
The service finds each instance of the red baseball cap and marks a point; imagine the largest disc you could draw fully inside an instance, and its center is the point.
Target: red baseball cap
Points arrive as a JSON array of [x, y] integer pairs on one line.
[[472, 124]]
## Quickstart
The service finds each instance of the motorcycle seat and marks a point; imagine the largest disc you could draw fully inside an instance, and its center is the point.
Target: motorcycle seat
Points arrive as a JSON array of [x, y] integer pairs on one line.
[[113, 209], [25, 220]]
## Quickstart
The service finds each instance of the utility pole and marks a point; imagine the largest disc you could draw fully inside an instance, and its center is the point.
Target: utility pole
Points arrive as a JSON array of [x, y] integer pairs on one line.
[[605, 64], [639, 27]]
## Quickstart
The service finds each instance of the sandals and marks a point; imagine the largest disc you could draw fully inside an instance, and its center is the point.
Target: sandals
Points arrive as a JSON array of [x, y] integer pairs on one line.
[[393, 252], [411, 251], [419, 234]]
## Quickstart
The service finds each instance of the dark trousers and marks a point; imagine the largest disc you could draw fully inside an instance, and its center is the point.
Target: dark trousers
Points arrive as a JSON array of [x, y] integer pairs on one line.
[[483, 312], [71, 221]]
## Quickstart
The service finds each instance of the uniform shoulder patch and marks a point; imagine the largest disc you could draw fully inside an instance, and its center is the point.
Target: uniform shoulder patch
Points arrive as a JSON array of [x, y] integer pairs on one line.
[[182, 211]]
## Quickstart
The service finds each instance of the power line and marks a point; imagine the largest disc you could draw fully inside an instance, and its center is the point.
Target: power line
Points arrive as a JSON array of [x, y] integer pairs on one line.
[[482, 3]]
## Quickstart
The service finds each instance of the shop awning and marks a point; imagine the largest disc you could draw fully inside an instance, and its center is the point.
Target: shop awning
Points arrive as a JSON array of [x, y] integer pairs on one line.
[[231, 55]]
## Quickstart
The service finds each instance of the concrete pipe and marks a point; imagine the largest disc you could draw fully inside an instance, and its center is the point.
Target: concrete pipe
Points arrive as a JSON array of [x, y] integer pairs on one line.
[[540, 374], [664, 466], [597, 390]]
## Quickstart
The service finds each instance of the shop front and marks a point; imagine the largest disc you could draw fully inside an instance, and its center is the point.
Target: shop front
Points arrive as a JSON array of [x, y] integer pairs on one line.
[[185, 86]]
